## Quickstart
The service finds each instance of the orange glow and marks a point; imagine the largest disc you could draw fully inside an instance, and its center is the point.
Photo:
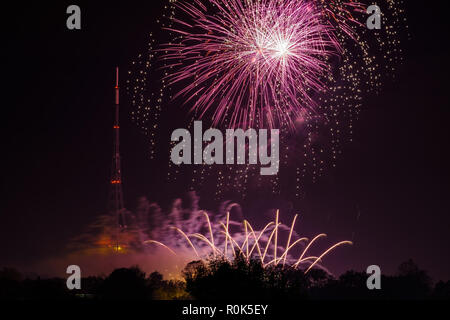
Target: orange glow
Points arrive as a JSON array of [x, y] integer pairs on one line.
[[109, 243], [115, 181]]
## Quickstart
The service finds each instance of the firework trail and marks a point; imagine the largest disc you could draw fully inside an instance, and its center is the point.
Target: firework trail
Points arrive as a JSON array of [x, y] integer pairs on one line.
[[225, 238], [182, 235]]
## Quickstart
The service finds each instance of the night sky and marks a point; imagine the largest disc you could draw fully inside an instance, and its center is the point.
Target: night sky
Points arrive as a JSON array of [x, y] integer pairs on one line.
[[388, 193]]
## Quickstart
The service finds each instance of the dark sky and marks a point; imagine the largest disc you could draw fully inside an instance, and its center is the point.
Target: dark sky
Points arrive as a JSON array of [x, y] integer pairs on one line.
[[57, 141]]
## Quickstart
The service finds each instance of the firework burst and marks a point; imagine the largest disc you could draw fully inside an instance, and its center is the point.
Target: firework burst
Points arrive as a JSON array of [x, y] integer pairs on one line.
[[302, 66], [249, 244], [252, 61]]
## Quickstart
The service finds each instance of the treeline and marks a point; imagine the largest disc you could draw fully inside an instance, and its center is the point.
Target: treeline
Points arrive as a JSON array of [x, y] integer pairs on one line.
[[122, 284], [222, 280]]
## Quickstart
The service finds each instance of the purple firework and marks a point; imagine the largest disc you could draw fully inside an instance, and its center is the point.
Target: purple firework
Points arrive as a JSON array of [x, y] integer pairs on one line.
[[252, 62]]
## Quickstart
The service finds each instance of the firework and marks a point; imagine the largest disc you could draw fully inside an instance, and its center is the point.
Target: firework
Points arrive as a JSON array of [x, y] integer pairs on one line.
[[184, 233], [241, 63], [252, 60], [250, 243]]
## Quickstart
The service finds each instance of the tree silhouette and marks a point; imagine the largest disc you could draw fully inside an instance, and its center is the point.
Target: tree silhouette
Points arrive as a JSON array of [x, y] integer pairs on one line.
[[411, 282], [219, 279], [442, 290], [10, 283], [125, 283]]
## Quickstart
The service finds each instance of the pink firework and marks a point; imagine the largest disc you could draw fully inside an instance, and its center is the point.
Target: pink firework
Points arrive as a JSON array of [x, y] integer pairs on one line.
[[251, 62]]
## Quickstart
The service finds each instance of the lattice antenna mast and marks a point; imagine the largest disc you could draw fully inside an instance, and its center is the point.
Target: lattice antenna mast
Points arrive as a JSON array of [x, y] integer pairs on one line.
[[116, 199]]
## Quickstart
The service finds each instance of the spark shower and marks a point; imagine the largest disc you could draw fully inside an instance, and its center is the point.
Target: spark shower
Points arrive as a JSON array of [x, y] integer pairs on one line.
[[262, 245], [304, 67], [254, 60]]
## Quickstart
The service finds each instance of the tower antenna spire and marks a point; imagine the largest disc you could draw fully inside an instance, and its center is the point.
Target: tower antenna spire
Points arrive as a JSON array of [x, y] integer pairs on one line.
[[116, 204]]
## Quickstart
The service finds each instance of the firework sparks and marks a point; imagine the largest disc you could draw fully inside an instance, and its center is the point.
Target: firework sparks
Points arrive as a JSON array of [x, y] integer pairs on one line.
[[237, 63], [173, 238], [238, 244], [251, 60]]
